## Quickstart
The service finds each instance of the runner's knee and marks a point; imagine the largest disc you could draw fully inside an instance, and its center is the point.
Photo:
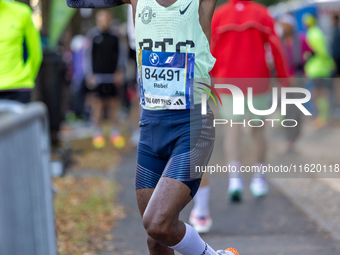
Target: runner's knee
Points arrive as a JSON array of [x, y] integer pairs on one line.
[[158, 227]]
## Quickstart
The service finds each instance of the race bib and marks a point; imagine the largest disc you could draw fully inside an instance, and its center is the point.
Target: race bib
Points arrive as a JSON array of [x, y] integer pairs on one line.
[[166, 79]]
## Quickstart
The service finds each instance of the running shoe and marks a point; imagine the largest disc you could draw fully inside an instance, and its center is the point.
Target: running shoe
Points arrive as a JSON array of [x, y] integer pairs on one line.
[[229, 251], [235, 189], [98, 141], [259, 187], [200, 224], [117, 140]]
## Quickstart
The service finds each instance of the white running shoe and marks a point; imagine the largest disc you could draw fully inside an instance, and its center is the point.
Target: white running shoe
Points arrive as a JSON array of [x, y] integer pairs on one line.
[[259, 187], [235, 189], [229, 251], [200, 224]]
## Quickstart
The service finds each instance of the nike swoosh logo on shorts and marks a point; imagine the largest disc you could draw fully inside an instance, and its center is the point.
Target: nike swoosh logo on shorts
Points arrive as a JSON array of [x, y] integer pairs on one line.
[[182, 12]]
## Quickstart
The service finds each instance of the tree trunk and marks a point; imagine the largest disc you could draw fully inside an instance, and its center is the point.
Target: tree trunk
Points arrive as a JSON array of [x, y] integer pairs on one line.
[[24, 1], [45, 7]]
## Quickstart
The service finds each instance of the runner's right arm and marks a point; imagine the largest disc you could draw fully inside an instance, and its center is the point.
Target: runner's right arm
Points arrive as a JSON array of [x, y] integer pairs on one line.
[[95, 3]]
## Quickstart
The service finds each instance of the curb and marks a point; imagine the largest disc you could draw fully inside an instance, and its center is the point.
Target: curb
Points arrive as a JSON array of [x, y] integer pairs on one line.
[[316, 199]]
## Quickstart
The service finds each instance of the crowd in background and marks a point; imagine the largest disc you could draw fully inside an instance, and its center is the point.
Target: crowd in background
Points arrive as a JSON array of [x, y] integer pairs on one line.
[[99, 72], [103, 85], [307, 53]]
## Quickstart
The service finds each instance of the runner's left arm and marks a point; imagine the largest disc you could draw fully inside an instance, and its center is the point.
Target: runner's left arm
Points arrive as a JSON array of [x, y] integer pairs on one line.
[[206, 11], [95, 3]]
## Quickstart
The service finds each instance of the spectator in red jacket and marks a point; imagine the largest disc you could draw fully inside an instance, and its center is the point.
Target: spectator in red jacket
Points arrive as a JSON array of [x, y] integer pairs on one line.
[[241, 32], [240, 29]]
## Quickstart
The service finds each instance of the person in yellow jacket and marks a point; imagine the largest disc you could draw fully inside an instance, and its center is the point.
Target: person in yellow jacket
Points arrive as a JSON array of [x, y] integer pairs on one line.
[[319, 68], [20, 51]]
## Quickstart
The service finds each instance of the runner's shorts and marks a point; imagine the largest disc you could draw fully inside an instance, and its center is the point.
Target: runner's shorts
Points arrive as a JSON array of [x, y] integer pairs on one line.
[[172, 143], [104, 90]]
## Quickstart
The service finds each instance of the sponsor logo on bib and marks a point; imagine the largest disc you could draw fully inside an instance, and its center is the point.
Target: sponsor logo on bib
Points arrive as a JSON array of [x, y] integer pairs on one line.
[[154, 59]]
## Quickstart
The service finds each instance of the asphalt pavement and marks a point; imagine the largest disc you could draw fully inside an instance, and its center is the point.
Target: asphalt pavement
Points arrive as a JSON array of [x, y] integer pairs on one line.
[[270, 225], [299, 216]]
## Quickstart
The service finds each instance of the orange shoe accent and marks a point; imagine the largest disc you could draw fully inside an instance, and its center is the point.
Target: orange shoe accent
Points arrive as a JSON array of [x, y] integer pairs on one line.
[[117, 140], [233, 250]]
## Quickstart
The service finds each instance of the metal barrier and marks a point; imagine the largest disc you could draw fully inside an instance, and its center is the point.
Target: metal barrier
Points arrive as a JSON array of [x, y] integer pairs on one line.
[[26, 208]]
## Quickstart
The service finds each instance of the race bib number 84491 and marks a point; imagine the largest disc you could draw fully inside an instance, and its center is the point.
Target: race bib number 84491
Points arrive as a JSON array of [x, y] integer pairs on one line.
[[166, 79]]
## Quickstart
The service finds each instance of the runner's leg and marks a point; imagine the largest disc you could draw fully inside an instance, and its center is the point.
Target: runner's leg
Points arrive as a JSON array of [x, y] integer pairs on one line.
[[143, 197], [113, 108], [201, 199], [188, 146], [97, 107], [160, 218], [259, 144], [161, 221], [200, 214], [232, 144], [233, 134], [258, 185]]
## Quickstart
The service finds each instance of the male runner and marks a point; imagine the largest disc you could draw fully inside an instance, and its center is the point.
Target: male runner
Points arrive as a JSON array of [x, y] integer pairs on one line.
[[104, 77], [238, 42], [172, 46]]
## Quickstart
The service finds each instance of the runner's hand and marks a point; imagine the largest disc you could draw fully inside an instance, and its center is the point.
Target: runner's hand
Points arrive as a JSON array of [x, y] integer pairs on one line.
[[90, 81]]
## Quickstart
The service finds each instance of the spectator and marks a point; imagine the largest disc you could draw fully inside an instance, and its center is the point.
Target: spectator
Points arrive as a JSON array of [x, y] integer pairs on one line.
[[336, 43], [336, 57], [104, 77], [20, 52], [78, 81], [294, 44], [133, 86], [296, 48], [240, 31], [318, 67]]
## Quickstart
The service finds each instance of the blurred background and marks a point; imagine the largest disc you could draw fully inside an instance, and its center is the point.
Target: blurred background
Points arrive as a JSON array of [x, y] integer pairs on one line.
[[91, 119]]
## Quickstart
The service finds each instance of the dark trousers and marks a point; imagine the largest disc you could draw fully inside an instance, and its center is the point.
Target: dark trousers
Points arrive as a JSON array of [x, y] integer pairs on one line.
[[20, 96]]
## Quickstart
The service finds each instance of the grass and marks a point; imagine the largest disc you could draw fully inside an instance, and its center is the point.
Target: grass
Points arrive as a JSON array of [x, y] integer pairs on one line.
[[85, 214], [86, 157]]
